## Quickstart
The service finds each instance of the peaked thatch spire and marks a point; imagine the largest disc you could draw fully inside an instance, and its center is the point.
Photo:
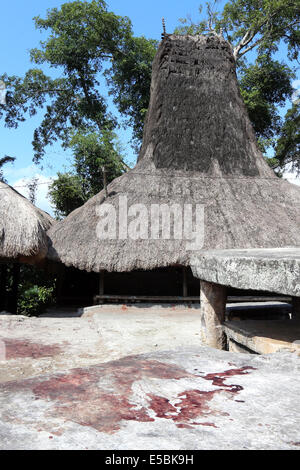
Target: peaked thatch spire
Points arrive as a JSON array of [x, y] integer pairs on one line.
[[198, 148], [22, 227]]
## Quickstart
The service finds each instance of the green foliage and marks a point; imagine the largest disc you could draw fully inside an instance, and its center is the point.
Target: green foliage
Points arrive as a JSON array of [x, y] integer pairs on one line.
[[83, 37], [260, 26], [274, 163], [265, 86], [34, 300], [36, 291], [130, 80], [66, 193], [249, 24], [91, 152], [86, 41], [261, 23], [288, 145]]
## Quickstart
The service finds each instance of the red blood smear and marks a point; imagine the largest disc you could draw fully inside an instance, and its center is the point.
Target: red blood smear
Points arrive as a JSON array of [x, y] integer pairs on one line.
[[100, 396], [18, 348]]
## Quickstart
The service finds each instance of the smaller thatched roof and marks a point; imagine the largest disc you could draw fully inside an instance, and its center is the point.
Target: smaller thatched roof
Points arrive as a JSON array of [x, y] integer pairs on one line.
[[22, 227]]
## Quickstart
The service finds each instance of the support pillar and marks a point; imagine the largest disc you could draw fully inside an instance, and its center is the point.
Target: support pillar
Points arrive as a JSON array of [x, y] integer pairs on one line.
[[296, 308], [212, 310]]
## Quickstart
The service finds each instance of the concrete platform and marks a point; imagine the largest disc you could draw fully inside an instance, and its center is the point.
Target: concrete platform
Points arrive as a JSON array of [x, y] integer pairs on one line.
[[101, 383], [264, 337], [272, 270]]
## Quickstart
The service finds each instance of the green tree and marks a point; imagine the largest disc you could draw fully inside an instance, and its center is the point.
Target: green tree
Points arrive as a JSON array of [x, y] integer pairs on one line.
[[93, 154], [86, 41], [130, 78], [265, 87], [83, 38], [260, 26], [66, 193], [288, 144], [249, 24]]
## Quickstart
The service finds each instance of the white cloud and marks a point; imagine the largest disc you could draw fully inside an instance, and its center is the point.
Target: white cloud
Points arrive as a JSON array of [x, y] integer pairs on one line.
[[19, 179], [291, 176]]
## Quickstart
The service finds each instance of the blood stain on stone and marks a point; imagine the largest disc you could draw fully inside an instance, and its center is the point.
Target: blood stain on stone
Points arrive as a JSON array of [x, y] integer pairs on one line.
[[207, 424], [82, 397], [100, 396], [193, 404], [161, 406], [21, 348], [219, 377]]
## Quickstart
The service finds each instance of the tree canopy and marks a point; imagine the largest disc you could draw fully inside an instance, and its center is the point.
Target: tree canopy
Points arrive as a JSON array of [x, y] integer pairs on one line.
[[94, 154], [85, 40], [261, 27], [88, 48]]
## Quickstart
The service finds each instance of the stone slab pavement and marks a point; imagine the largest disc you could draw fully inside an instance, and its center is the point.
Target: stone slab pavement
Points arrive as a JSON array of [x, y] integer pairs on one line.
[[66, 385]]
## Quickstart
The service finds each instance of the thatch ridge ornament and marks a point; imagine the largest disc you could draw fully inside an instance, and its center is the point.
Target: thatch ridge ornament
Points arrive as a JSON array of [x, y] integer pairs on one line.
[[163, 35], [199, 149]]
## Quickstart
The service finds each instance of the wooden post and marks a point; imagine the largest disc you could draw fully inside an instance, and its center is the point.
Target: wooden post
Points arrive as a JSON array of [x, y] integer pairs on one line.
[[296, 308], [212, 310], [184, 286]]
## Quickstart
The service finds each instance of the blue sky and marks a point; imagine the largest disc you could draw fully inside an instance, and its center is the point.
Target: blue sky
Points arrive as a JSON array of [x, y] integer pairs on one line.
[[18, 35]]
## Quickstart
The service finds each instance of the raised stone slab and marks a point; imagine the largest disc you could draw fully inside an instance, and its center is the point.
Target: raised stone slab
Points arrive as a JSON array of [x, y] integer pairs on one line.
[[264, 337], [272, 270]]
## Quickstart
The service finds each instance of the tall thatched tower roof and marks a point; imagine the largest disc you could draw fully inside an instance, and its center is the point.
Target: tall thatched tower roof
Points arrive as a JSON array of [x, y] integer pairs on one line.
[[22, 227], [198, 148]]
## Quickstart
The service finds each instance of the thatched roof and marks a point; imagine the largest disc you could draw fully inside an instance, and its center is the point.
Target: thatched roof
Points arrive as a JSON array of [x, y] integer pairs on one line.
[[22, 227], [198, 148]]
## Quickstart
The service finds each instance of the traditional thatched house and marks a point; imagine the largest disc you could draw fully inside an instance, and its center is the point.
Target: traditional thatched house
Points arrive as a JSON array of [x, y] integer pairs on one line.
[[199, 148], [23, 236], [22, 227]]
